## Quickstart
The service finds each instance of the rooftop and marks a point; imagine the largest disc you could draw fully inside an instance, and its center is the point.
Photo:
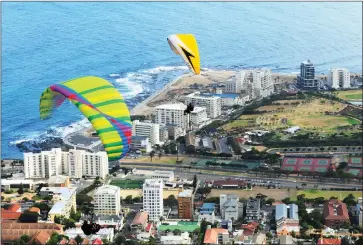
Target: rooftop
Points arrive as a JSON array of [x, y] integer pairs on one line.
[[58, 207], [335, 210], [140, 218], [186, 193], [59, 179], [64, 192], [211, 235], [176, 106], [109, 189], [153, 182], [199, 109], [230, 96]]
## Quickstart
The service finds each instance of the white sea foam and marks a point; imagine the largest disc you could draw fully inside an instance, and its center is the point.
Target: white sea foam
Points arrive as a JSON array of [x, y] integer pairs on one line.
[[132, 84]]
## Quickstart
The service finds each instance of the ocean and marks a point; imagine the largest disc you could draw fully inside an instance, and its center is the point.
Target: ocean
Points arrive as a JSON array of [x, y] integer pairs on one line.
[[50, 42]]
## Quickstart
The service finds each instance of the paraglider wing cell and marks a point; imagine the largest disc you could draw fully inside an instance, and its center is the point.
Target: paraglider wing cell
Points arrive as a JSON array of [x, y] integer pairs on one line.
[[103, 106]]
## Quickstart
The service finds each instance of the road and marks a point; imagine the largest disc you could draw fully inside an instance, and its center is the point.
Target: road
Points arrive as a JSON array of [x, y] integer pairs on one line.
[[288, 183]]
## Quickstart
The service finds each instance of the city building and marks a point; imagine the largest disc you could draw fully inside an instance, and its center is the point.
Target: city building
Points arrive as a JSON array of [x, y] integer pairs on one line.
[[198, 117], [306, 79], [229, 100], [191, 142], [58, 181], [207, 212], [335, 213], [15, 184], [11, 232], [174, 132], [172, 114], [11, 213], [64, 199], [153, 202], [251, 84], [185, 204], [95, 164], [339, 78], [43, 164], [329, 241], [74, 163], [253, 209], [183, 238], [103, 234], [213, 104], [287, 218], [163, 133], [141, 143], [139, 222], [164, 175], [148, 129], [216, 236], [107, 221], [107, 200], [229, 207]]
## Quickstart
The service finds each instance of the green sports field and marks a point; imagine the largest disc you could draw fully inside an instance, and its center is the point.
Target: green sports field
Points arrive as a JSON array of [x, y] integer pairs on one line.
[[127, 184]]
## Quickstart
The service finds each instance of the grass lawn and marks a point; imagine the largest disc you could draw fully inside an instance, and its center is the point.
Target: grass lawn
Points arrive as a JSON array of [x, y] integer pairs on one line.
[[323, 121], [326, 194], [127, 184], [350, 94]]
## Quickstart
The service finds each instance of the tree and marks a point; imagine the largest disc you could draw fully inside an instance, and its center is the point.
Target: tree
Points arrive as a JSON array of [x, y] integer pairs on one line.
[[346, 225], [119, 239], [21, 189], [195, 181], [25, 238], [128, 199], [269, 235], [136, 199], [293, 234], [28, 217], [160, 154], [270, 201], [25, 199], [152, 153], [177, 232], [74, 216], [78, 239], [350, 200], [171, 201]]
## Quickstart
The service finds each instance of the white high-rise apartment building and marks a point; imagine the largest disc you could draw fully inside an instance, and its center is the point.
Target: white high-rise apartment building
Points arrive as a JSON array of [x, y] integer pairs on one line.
[[172, 114], [339, 78], [148, 129], [74, 163], [44, 164], [256, 83], [95, 164], [213, 104], [198, 116], [107, 200], [153, 198]]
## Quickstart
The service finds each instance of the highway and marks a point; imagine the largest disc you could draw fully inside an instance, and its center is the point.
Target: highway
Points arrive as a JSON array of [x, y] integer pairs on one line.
[[218, 174]]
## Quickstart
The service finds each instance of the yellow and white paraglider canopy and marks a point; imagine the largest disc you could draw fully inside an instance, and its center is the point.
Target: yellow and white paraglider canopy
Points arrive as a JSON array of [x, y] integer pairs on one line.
[[186, 46]]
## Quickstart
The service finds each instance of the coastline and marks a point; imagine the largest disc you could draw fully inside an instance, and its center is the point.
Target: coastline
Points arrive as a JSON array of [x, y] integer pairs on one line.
[[169, 93]]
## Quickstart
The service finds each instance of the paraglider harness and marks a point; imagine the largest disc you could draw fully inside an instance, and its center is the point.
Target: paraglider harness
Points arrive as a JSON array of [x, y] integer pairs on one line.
[[90, 228]]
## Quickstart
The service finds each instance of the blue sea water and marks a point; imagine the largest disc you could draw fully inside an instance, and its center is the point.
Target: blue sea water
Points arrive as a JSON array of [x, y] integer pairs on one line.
[[49, 42]]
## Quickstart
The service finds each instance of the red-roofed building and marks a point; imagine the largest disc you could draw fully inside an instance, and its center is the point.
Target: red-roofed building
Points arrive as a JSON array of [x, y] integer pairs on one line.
[[97, 241], [249, 229], [12, 213], [329, 241], [335, 213], [149, 227], [216, 236], [140, 221]]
